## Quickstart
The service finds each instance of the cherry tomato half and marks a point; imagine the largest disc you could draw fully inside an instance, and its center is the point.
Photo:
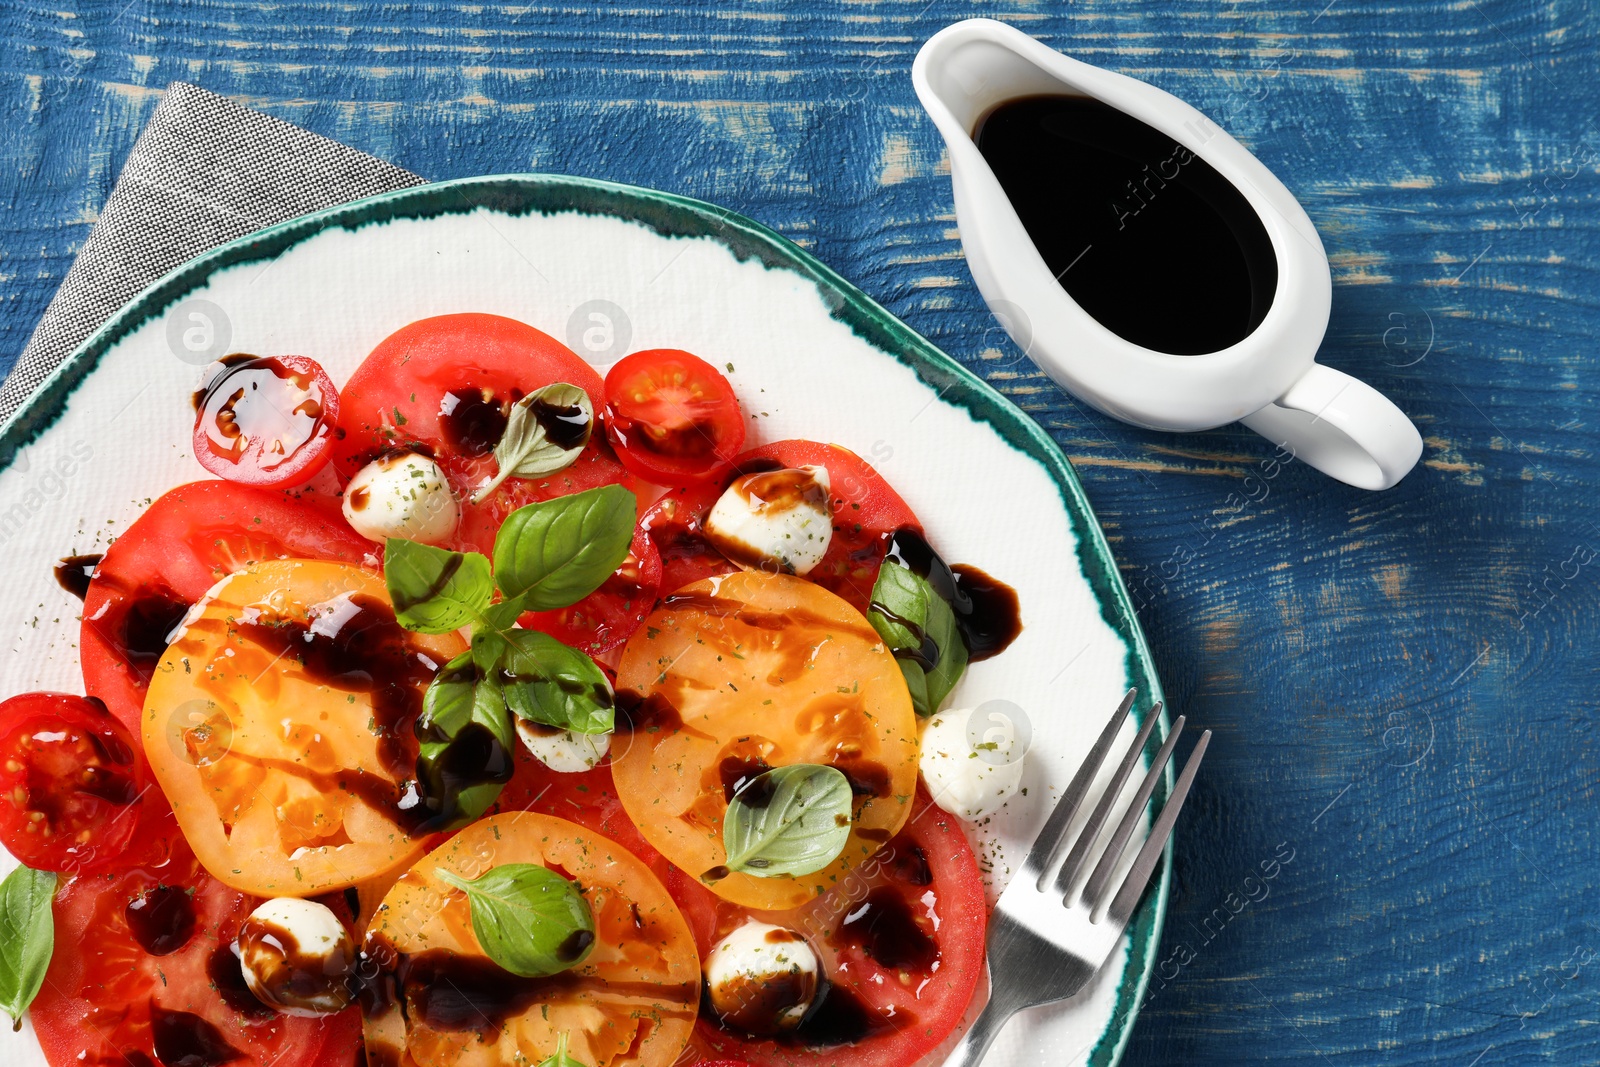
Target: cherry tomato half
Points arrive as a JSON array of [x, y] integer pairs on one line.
[[672, 417], [74, 790], [265, 420]]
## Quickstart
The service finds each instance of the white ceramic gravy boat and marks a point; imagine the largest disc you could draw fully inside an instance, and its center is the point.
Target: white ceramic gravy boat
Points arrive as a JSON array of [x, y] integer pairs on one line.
[[1270, 380]]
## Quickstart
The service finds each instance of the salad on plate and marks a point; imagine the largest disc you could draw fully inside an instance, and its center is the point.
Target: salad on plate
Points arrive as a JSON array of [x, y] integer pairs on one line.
[[484, 711]]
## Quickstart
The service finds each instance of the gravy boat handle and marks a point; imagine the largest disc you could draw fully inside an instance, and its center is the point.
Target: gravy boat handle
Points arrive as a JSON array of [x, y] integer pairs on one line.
[[1343, 427]]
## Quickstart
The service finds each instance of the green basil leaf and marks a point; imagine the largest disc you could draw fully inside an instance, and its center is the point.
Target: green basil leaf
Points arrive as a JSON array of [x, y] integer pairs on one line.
[[526, 450], [917, 685], [528, 918], [459, 696], [556, 552], [489, 647], [788, 821], [561, 1058], [466, 747], [546, 682], [27, 937], [920, 629], [434, 591]]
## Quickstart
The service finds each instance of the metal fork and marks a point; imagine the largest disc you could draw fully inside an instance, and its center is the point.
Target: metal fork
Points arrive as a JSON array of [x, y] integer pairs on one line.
[[1048, 936]]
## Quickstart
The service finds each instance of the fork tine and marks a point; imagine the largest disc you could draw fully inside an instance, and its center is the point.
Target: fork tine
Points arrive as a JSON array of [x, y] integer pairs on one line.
[[1102, 810], [1048, 844], [1133, 886], [1095, 886]]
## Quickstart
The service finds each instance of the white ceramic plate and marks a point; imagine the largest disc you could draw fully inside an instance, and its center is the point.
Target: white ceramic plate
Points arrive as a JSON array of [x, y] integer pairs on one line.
[[613, 269]]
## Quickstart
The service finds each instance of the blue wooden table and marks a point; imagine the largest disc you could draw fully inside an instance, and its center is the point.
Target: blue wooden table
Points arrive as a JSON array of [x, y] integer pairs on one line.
[[1403, 685]]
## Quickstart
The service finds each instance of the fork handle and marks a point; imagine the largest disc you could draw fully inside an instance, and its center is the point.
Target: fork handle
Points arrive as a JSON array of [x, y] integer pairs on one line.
[[985, 1028]]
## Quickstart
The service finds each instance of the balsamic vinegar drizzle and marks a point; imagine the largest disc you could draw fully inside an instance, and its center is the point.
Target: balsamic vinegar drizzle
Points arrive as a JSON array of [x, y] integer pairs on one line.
[[455, 993], [161, 919], [471, 423], [357, 646], [842, 1018], [136, 622], [1147, 237], [227, 978], [74, 573], [837, 1017], [737, 773], [986, 609], [884, 928], [182, 1038], [472, 420], [564, 425]]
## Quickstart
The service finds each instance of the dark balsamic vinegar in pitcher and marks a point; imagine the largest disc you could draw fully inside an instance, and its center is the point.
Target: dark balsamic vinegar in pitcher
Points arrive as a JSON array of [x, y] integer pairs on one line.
[[1147, 237]]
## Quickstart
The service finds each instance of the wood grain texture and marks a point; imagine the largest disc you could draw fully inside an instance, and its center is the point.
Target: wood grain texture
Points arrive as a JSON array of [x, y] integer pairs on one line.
[[1403, 685]]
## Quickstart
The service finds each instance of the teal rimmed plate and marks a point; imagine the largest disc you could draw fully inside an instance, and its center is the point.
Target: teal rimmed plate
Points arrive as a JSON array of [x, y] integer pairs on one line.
[[612, 269]]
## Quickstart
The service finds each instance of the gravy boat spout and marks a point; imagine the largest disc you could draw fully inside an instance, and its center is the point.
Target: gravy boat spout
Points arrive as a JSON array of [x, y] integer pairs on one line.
[[1269, 380]]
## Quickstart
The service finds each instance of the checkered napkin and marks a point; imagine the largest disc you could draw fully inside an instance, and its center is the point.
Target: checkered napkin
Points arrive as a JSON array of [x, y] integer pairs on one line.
[[204, 172]]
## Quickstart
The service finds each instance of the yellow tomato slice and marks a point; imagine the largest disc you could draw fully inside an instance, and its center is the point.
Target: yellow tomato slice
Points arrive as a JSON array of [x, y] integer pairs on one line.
[[734, 674], [441, 1002], [279, 725]]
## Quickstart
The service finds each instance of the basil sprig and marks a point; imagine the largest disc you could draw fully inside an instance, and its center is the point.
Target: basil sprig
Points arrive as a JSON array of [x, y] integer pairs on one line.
[[528, 918], [557, 552], [788, 821], [547, 555], [27, 937], [920, 629], [526, 450], [435, 591]]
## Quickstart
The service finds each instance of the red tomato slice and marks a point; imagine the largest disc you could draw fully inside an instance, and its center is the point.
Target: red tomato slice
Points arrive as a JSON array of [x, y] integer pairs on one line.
[[75, 793], [443, 386], [608, 616], [180, 547], [673, 417], [265, 420], [901, 940], [143, 974], [908, 988], [866, 512]]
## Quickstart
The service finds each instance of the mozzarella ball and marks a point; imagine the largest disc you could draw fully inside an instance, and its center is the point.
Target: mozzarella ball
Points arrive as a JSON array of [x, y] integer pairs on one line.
[[563, 751], [964, 781], [296, 956], [401, 496], [775, 520], [762, 979]]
